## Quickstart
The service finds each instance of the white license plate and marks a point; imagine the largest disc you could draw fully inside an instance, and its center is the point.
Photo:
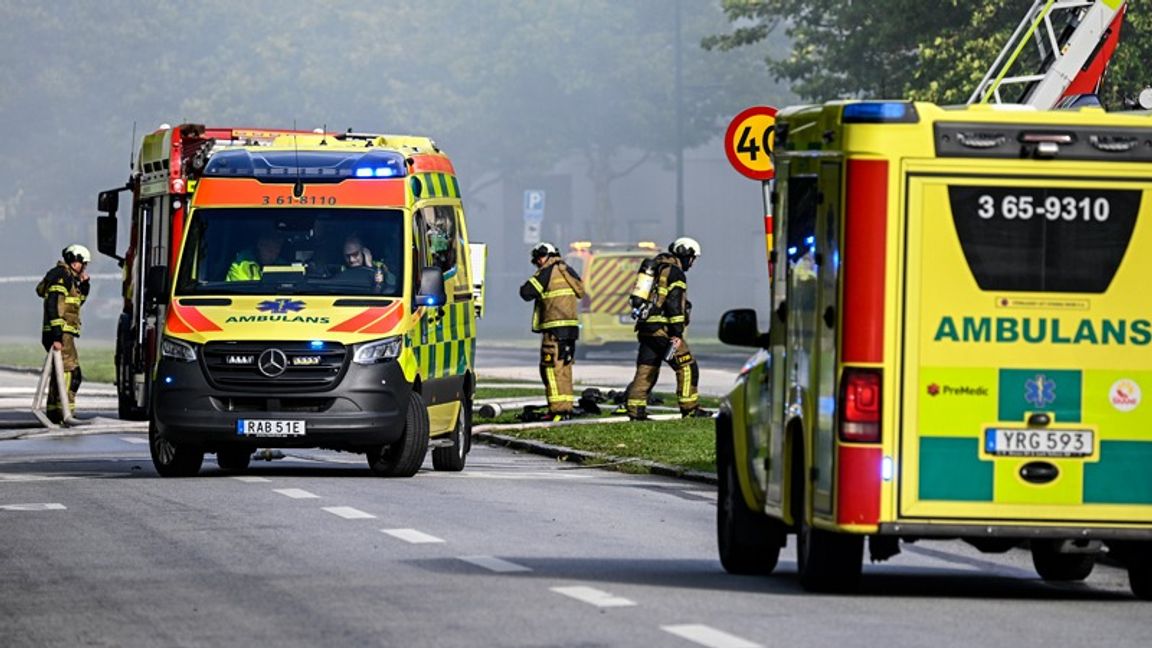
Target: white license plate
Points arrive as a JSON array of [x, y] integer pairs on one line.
[[1038, 443], [269, 428]]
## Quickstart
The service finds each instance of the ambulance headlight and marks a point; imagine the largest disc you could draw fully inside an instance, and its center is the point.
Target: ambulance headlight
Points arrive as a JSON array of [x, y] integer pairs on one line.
[[177, 350], [379, 351]]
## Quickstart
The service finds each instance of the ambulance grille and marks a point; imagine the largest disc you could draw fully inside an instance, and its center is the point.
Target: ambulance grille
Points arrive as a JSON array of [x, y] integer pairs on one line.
[[236, 365]]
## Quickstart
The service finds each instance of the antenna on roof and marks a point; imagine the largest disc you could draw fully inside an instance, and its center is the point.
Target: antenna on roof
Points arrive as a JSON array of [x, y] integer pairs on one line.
[[298, 188], [132, 149], [324, 136]]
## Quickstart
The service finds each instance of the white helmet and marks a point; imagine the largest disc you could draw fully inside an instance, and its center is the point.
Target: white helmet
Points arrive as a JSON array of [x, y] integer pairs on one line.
[[685, 247], [544, 249], [76, 252]]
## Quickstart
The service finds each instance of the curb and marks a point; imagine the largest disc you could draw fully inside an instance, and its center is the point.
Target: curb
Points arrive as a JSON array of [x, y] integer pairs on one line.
[[580, 456]]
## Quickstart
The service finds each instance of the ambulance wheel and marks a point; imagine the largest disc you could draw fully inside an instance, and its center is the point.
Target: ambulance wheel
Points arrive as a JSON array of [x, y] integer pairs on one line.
[[173, 459], [749, 541], [1055, 566], [1140, 576], [827, 561], [234, 459], [404, 457], [452, 458]]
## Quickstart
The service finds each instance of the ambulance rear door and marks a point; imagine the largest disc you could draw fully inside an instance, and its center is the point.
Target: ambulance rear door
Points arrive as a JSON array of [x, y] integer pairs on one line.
[[1027, 338]]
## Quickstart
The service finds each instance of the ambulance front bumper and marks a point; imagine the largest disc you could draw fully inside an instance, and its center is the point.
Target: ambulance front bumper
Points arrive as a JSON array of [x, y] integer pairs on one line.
[[366, 407]]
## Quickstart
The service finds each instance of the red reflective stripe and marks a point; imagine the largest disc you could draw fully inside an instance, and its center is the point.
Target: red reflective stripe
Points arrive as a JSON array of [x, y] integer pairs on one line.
[[858, 487], [865, 243], [177, 325], [359, 321], [385, 324], [195, 318], [429, 163]]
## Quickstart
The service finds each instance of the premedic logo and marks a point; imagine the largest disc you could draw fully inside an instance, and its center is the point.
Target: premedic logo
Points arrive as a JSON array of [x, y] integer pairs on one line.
[[1124, 395], [936, 389]]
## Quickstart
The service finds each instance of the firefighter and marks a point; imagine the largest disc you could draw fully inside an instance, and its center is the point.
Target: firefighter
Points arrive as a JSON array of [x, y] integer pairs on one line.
[[555, 288], [64, 290], [660, 331]]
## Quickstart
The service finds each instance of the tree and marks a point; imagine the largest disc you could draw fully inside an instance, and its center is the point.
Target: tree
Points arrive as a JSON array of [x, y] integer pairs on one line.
[[932, 51]]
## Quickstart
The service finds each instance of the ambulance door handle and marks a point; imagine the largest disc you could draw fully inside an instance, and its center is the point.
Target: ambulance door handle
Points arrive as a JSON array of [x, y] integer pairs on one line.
[[830, 317]]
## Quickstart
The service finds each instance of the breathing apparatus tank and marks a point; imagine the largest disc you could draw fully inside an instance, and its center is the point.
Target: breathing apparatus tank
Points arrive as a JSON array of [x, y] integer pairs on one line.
[[641, 295]]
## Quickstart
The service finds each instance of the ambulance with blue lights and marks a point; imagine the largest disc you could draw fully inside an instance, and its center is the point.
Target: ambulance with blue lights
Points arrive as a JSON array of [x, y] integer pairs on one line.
[[290, 289], [959, 346]]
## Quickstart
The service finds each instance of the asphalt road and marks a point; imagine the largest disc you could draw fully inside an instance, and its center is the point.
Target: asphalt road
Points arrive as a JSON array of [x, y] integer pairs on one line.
[[96, 550]]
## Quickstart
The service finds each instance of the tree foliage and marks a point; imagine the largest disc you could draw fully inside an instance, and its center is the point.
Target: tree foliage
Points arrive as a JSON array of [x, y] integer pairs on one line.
[[933, 51]]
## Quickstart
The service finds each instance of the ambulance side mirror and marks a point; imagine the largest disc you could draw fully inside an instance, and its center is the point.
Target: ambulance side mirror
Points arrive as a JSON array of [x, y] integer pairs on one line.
[[431, 292], [739, 327]]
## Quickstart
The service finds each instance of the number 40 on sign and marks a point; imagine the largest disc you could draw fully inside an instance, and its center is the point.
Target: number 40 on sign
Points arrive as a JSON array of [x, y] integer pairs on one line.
[[749, 141]]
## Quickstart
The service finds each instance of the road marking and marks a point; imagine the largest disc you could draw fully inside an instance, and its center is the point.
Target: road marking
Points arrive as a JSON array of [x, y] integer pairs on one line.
[[252, 480], [491, 563], [24, 477], [708, 636], [136, 440], [412, 535], [295, 493], [32, 507], [593, 596], [349, 513]]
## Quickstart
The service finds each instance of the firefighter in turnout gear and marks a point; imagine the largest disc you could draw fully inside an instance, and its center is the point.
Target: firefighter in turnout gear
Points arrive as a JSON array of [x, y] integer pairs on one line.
[[555, 289], [660, 325], [64, 290]]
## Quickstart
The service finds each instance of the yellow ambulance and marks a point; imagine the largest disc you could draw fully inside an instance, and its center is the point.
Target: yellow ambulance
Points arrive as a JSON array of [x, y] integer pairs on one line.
[[289, 289], [962, 298], [609, 271]]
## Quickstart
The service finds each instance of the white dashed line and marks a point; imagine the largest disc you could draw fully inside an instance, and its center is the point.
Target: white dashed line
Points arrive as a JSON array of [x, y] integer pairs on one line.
[[412, 535], [295, 493], [708, 636], [32, 507], [252, 480], [24, 477], [349, 513], [136, 440], [492, 563], [593, 596]]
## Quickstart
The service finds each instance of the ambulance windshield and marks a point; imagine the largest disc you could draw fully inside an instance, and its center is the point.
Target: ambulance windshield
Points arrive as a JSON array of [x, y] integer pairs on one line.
[[287, 251]]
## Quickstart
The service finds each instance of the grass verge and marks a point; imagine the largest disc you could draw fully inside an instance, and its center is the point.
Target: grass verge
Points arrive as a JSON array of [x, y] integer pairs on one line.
[[97, 362], [686, 443]]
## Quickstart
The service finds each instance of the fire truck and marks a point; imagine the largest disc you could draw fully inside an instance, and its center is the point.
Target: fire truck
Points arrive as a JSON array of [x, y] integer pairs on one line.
[[288, 289]]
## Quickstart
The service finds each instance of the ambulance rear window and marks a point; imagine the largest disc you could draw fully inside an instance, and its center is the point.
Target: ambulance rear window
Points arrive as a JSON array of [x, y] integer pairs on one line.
[[1043, 240]]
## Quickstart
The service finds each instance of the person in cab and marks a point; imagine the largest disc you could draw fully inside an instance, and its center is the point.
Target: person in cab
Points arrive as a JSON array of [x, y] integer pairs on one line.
[[556, 289], [249, 264], [358, 258]]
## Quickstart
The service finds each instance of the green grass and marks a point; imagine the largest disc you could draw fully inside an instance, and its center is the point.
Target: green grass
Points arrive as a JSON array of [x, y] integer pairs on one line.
[[687, 443], [485, 392], [97, 361]]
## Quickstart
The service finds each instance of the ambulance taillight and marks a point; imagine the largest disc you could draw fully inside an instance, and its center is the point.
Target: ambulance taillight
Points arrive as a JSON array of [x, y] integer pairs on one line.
[[860, 396]]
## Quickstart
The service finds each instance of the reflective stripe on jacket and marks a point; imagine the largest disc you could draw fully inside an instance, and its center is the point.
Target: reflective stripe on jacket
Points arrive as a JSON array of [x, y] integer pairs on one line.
[[556, 289], [63, 294]]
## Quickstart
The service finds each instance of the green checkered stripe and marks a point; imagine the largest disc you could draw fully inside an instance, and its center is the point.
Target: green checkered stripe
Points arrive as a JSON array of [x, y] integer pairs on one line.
[[451, 347]]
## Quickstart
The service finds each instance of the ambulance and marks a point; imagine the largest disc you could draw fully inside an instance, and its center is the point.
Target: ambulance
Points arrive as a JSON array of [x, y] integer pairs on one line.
[[290, 289], [960, 339], [609, 271]]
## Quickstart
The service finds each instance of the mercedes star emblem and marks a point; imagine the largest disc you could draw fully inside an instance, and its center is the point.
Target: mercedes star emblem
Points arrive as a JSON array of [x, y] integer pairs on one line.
[[272, 362]]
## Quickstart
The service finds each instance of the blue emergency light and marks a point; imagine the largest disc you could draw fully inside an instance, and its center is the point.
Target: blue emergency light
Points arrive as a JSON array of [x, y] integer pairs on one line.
[[880, 112], [316, 344]]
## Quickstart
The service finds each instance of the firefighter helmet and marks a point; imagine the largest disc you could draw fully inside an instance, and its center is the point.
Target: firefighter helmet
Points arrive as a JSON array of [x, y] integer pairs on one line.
[[685, 247], [544, 249], [76, 252]]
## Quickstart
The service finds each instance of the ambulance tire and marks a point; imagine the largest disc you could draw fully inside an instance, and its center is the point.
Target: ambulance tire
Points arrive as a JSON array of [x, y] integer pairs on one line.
[[749, 541], [827, 561], [1140, 577], [1055, 566], [404, 457], [453, 457], [173, 459], [234, 459]]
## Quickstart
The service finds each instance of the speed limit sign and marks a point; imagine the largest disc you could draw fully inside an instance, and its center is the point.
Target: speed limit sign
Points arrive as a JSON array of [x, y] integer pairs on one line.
[[749, 141]]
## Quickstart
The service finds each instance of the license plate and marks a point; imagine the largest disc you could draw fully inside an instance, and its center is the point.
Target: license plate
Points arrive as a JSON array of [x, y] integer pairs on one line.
[[1038, 443], [269, 428]]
